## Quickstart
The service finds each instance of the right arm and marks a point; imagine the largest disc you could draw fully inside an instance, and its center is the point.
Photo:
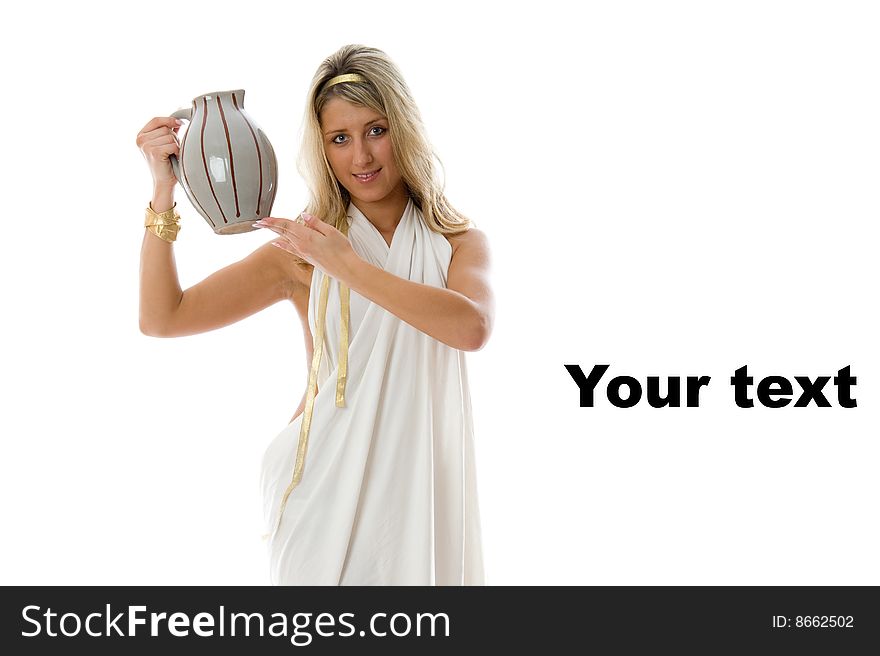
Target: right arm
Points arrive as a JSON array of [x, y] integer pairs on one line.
[[234, 292], [266, 276], [263, 278]]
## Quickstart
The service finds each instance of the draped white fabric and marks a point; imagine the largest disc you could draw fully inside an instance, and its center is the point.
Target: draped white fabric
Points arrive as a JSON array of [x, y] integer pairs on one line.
[[388, 493]]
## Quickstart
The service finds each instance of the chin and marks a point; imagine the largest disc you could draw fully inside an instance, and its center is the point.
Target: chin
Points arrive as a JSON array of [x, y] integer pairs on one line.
[[371, 197]]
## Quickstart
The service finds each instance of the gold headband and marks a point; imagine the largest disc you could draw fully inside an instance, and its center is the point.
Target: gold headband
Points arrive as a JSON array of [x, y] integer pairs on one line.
[[346, 77]]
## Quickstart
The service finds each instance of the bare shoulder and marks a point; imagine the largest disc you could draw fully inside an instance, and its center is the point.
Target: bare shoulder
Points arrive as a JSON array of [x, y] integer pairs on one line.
[[473, 238]]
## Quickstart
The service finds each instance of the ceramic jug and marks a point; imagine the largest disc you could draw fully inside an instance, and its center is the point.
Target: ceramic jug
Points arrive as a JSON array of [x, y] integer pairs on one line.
[[227, 166]]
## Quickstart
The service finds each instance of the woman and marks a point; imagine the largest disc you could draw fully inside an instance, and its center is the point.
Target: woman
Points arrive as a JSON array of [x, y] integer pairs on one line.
[[373, 480]]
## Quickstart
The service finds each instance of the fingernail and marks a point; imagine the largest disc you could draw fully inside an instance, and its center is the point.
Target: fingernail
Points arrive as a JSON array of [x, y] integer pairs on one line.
[[178, 121]]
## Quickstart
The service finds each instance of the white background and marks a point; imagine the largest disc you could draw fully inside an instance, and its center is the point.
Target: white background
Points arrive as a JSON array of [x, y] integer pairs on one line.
[[675, 188]]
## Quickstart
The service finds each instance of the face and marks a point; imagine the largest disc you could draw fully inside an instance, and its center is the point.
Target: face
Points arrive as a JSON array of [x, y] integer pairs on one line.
[[356, 141]]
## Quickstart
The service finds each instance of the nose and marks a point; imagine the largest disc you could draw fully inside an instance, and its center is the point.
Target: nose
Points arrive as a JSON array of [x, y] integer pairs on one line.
[[362, 154]]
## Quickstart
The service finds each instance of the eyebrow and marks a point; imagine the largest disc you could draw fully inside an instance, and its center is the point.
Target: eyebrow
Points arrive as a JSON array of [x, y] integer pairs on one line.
[[370, 122]]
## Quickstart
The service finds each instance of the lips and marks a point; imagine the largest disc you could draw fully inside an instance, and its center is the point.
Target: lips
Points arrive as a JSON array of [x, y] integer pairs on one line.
[[367, 176]]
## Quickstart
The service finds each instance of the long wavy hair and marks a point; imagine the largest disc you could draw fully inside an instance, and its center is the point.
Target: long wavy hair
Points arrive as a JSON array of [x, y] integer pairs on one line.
[[385, 92]]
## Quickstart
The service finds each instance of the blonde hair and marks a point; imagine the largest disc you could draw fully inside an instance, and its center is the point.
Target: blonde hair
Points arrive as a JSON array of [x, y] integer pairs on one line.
[[385, 92]]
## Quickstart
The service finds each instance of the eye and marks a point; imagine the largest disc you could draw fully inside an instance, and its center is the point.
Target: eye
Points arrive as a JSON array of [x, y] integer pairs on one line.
[[378, 127], [336, 137]]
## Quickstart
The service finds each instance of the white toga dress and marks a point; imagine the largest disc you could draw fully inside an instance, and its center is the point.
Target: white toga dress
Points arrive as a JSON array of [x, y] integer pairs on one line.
[[387, 494]]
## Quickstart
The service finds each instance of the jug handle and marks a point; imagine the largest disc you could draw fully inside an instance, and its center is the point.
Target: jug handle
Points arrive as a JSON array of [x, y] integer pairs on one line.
[[186, 114]]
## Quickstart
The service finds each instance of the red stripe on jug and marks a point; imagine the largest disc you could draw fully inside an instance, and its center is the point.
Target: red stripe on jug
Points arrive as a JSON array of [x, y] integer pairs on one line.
[[205, 161], [259, 153], [231, 159], [192, 192]]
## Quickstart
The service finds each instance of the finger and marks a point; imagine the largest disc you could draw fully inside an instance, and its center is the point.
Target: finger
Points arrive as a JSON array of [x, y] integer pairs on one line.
[[168, 149], [160, 121], [300, 220], [161, 140], [152, 150], [286, 238], [277, 231], [145, 137], [299, 233], [286, 246], [284, 227], [316, 224]]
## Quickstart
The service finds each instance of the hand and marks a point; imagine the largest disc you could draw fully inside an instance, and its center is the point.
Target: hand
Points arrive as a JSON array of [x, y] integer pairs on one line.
[[318, 243], [157, 140]]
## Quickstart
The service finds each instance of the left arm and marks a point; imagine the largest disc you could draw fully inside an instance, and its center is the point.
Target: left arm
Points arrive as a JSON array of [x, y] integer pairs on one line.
[[460, 316]]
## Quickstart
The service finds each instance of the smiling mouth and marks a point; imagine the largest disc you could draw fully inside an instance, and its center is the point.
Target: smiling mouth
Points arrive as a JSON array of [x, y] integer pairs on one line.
[[366, 177]]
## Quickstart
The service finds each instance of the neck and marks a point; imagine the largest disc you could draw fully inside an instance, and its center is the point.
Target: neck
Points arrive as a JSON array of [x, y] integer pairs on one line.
[[386, 213]]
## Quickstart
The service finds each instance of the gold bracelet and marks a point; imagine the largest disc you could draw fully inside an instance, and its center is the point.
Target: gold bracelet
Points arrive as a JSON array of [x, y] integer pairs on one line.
[[166, 232], [164, 225], [168, 216]]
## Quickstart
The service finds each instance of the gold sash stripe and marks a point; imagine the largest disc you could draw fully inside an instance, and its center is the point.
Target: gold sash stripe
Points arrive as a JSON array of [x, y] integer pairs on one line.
[[341, 377]]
